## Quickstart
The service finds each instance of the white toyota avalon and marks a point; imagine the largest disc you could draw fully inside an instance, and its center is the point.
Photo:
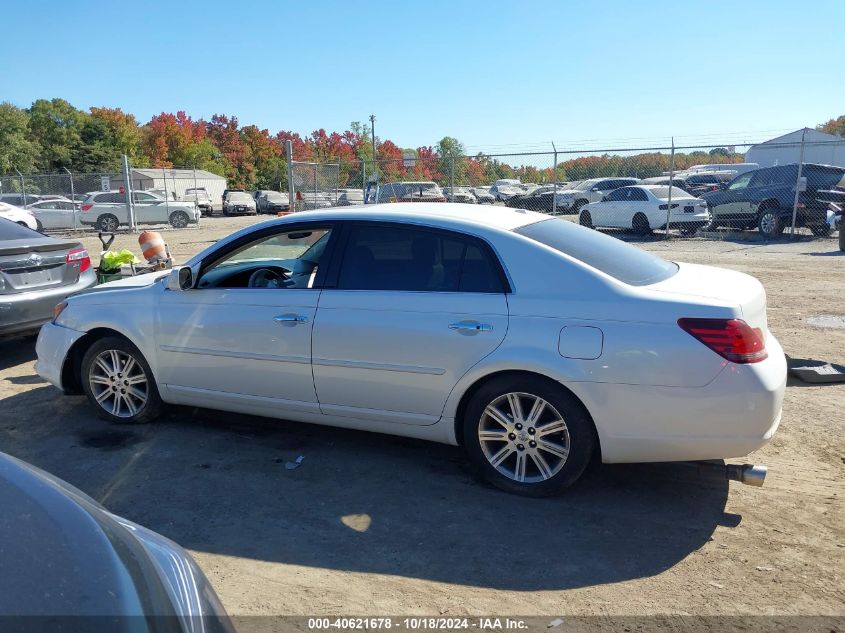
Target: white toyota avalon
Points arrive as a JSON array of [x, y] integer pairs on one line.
[[532, 342]]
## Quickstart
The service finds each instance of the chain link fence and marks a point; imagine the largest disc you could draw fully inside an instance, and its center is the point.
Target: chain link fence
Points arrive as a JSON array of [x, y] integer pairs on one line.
[[793, 184]]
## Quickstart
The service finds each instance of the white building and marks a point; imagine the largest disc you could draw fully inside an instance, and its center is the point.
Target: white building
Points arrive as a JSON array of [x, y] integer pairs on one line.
[[175, 181], [819, 147]]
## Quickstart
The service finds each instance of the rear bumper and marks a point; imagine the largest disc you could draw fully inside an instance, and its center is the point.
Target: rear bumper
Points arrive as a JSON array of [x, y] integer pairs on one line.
[[735, 414], [54, 342], [27, 311]]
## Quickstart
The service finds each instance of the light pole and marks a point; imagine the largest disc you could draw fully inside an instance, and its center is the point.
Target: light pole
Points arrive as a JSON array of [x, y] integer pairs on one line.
[[373, 131]]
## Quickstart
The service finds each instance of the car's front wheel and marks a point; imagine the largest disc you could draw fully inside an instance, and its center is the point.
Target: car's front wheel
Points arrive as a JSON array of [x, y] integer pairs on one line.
[[119, 383], [527, 435], [108, 223], [179, 219], [585, 219], [770, 224]]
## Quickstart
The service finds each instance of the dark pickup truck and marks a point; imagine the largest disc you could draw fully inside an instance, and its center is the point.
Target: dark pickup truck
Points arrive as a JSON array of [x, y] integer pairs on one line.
[[764, 198]]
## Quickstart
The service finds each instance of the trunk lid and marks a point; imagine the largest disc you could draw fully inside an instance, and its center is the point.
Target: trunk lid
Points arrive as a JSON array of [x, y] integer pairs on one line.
[[719, 286], [34, 264]]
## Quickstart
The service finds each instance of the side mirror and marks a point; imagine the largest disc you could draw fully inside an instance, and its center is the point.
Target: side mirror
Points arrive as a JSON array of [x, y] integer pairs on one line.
[[181, 278]]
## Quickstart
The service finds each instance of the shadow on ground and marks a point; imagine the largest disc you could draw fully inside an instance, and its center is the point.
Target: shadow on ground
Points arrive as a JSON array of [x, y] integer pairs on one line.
[[15, 351], [218, 483]]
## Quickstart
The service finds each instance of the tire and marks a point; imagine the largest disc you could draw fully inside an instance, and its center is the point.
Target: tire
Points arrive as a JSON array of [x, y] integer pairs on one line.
[[98, 377], [842, 234], [769, 223], [820, 230], [640, 224], [569, 433], [38, 226], [576, 206], [585, 219], [689, 231], [108, 223], [179, 219]]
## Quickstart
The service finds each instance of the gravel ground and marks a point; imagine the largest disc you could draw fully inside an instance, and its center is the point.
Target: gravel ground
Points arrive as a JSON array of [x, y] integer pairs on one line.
[[371, 524]]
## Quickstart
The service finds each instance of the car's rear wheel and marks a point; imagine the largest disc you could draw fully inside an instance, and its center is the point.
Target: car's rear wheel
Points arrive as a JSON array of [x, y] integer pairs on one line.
[[640, 224], [527, 435], [179, 219], [108, 223], [842, 234], [688, 231], [585, 219], [769, 223], [118, 382], [820, 230]]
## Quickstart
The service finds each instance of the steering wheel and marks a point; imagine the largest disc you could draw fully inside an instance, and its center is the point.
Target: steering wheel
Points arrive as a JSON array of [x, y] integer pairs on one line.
[[266, 278]]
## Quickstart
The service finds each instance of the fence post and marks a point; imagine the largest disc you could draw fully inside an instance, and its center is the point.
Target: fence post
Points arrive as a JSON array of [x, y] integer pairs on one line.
[[671, 178], [452, 178], [75, 215], [364, 179], [798, 185], [291, 193], [130, 206], [23, 187], [166, 193], [554, 181]]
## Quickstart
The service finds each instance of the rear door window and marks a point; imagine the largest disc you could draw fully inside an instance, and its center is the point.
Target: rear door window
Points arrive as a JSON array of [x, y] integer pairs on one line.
[[622, 261], [414, 259]]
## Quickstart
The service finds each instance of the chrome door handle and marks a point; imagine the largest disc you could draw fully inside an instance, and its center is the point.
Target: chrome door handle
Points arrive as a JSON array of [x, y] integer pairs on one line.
[[471, 326], [291, 318]]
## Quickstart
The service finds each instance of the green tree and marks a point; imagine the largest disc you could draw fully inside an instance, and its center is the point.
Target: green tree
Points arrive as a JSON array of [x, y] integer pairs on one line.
[[451, 152], [57, 128], [17, 150]]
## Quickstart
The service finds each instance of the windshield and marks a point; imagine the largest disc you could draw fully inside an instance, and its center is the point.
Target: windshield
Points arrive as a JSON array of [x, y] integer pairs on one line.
[[584, 185], [239, 197], [663, 192], [627, 263], [275, 196]]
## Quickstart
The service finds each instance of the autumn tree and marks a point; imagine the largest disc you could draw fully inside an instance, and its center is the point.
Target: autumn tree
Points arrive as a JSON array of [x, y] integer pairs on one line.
[[268, 157], [834, 126]]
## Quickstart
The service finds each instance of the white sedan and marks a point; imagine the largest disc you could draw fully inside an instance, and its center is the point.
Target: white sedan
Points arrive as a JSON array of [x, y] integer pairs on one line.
[[530, 341], [646, 207], [55, 214], [19, 216]]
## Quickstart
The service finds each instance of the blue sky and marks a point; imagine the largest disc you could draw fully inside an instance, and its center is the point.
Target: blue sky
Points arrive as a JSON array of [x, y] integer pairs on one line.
[[497, 75]]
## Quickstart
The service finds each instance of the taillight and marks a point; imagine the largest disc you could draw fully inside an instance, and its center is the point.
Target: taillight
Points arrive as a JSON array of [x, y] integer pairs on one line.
[[79, 255], [86, 207], [732, 339]]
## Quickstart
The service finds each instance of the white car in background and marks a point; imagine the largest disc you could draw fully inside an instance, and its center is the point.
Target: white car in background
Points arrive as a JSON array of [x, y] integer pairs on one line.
[[591, 190], [483, 195], [106, 210], [646, 207], [19, 216], [506, 188], [55, 214], [430, 320]]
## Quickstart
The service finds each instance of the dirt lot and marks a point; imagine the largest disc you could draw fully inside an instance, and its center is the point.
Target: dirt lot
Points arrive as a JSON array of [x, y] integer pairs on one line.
[[371, 524]]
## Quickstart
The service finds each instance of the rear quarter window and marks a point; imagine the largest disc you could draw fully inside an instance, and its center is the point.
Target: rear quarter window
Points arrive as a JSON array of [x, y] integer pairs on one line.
[[622, 261]]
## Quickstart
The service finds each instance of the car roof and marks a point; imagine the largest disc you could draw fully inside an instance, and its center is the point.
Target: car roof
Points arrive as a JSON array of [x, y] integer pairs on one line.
[[503, 218]]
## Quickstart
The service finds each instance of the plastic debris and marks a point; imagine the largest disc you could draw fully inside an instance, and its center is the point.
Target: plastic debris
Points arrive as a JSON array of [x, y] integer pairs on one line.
[[554, 623], [295, 464]]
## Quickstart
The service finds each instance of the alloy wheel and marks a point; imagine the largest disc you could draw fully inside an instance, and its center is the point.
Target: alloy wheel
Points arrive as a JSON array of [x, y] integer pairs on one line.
[[524, 437], [118, 383]]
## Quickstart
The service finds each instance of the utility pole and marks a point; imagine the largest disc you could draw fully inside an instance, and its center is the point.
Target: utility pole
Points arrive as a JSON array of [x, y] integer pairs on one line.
[[373, 131]]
